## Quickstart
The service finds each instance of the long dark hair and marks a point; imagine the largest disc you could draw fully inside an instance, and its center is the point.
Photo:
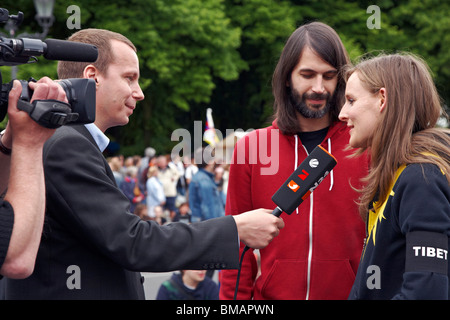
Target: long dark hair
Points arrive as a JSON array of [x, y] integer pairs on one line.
[[322, 39]]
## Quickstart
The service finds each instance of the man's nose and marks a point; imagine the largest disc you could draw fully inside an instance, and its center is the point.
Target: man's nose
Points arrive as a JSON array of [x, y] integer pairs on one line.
[[318, 86]]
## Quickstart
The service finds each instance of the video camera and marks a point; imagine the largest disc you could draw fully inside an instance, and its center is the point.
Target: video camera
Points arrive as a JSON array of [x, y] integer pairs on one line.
[[80, 92]]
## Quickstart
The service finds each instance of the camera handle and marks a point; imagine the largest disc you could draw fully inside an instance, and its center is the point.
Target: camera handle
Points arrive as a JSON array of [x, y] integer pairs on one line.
[[48, 113]]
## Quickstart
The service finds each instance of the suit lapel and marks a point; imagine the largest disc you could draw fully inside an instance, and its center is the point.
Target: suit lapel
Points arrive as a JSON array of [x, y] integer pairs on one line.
[[85, 132]]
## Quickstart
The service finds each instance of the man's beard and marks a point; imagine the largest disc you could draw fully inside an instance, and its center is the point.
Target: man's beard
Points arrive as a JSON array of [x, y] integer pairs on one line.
[[314, 111]]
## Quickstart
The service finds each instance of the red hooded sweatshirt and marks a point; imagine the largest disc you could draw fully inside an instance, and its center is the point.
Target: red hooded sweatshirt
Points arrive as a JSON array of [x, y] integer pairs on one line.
[[316, 255]]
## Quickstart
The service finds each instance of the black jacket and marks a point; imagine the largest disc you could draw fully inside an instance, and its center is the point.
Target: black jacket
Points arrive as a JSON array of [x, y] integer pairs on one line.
[[93, 248], [406, 251]]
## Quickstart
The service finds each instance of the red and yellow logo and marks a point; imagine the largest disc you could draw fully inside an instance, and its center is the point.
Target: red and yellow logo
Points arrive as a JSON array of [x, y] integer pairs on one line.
[[293, 186]]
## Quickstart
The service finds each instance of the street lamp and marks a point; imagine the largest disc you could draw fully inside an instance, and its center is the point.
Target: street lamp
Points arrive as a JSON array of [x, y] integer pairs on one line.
[[44, 16]]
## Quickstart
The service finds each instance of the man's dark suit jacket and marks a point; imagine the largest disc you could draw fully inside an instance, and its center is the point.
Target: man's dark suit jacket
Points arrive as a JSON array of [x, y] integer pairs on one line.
[[91, 240]]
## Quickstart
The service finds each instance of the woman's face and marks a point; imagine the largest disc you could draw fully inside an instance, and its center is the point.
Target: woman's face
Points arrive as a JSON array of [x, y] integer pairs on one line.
[[362, 111]]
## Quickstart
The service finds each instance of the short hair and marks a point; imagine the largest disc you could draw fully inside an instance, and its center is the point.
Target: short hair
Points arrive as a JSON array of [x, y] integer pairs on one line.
[[325, 42], [102, 40]]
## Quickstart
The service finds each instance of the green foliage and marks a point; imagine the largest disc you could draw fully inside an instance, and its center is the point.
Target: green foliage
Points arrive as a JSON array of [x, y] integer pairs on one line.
[[196, 54]]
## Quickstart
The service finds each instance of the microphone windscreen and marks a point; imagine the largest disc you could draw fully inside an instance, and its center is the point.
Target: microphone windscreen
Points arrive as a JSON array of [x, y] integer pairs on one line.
[[70, 51], [308, 175]]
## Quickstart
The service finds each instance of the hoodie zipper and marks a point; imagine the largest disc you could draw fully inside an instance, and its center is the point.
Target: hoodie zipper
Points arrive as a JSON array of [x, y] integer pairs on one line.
[[311, 210], [310, 244], [310, 239]]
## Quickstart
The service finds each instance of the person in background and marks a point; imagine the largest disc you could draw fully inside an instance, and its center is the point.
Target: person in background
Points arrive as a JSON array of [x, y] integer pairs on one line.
[[183, 213], [168, 175], [205, 199], [159, 215], [130, 187], [155, 191], [115, 164], [141, 211], [190, 169], [145, 163], [189, 285]]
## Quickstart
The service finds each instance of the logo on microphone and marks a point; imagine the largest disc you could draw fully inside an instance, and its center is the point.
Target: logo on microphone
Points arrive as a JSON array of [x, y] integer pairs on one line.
[[304, 175], [313, 163], [293, 186]]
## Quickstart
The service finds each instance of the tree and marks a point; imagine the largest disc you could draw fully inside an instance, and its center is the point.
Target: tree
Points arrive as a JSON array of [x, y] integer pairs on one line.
[[182, 46], [247, 102]]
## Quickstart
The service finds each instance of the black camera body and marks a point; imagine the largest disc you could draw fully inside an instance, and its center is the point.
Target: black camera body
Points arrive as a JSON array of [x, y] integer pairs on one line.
[[81, 93], [52, 114]]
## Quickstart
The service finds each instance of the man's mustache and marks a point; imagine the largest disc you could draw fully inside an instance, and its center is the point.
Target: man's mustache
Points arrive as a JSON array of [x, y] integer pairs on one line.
[[316, 96]]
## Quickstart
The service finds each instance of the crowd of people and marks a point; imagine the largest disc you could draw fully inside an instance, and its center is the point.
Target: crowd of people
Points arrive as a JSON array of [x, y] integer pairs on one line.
[[158, 185]]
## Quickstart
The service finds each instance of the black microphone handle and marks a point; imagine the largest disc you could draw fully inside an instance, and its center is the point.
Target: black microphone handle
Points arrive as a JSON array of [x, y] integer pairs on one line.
[[277, 212]]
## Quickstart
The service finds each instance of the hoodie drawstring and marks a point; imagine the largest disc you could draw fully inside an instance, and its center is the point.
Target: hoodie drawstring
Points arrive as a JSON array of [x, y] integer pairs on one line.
[[296, 158], [331, 173]]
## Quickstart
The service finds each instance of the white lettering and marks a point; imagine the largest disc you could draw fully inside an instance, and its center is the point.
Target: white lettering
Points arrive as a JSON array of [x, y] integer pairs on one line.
[[261, 149], [430, 252], [246, 309], [193, 310]]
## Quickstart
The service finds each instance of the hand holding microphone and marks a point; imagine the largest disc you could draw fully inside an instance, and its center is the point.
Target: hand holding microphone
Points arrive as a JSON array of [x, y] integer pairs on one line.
[[257, 228]]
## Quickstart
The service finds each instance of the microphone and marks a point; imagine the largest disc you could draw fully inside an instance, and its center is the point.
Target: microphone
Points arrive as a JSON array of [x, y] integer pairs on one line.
[[308, 175], [19, 51], [70, 51]]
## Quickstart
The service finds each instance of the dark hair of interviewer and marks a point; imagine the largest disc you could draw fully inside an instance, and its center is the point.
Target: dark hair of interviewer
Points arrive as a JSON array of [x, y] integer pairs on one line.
[[324, 41]]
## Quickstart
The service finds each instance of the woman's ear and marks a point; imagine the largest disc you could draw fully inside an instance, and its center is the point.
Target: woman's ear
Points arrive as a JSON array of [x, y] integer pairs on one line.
[[383, 99]]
